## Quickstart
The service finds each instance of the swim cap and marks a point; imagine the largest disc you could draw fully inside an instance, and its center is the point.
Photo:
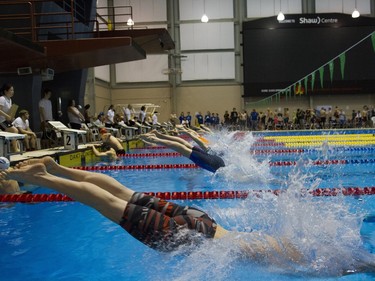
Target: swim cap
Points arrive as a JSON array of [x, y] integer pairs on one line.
[[4, 163], [103, 130]]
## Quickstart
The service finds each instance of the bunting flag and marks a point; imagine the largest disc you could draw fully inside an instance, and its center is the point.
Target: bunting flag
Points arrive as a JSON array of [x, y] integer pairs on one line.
[[312, 81], [306, 80], [321, 73], [298, 89], [331, 68], [342, 64]]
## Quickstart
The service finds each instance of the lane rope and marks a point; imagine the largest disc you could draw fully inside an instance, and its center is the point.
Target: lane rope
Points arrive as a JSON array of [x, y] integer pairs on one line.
[[194, 166], [252, 151], [195, 195]]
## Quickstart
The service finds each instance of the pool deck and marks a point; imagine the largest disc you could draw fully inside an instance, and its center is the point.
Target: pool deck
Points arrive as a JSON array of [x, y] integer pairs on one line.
[[66, 157]]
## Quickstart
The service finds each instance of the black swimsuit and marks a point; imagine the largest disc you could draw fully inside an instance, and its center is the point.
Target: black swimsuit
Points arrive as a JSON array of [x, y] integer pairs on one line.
[[162, 224]]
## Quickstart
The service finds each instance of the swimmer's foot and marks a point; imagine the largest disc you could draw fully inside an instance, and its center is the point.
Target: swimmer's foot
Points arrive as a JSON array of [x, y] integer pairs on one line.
[[32, 174], [48, 161]]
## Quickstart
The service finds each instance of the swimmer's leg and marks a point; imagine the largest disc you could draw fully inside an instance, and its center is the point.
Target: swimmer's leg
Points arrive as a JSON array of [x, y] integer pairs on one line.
[[176, 146], [103, 181], [87, 193]]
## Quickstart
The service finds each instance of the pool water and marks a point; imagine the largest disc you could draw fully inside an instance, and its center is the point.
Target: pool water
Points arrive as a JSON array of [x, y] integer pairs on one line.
[[69, 241]]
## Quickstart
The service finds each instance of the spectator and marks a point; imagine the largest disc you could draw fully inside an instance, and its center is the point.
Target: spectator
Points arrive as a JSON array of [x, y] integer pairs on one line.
[[234, 116], [181, 117], [22, 124], [142, 115], [207, 119], [254, 116], [75, 117], [188, 118], [109, 118], [6, 114], [226, 118], [87, 115], [199, 118], [128, 114], [99, 122], [45, 113], [155, 119]]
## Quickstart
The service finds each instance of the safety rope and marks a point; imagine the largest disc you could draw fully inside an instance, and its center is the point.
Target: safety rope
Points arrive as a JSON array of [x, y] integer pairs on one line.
[[194, 166], [253, 151], [196, 195]]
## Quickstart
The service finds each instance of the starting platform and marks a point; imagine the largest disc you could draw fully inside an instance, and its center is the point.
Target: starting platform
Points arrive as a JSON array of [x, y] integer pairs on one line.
[[5, 143], [70, 136]]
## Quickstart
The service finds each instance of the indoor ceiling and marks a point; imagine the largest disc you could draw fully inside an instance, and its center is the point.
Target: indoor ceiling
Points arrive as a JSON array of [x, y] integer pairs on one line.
[[108, 47]]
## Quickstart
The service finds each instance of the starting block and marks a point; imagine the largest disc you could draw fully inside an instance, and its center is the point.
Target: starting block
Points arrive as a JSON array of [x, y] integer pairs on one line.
[[128, 131], [5, 140], [70, 136]]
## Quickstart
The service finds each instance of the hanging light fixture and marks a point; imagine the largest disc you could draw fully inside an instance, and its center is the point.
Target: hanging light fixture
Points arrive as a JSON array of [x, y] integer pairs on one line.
[[130, 21], [204, 18], [280, 15], [355, 13]]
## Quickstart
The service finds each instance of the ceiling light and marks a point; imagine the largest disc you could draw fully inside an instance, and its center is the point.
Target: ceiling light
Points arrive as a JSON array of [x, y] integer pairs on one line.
[[355, 14], [130, 22], [280, 16], [204, 18]]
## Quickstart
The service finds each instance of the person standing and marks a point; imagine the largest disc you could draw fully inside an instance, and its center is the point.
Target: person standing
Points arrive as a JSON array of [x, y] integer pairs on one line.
[[188, 119], [142, 115], [6, 117], [110, 117], [23, 126], [45, 113], [128, 113], [234, 117], [155, 119], [75, 117], [87, 115]]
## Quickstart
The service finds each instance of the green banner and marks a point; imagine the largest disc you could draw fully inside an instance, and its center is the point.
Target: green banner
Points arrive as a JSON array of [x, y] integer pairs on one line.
[[331, 68], [312, 81], [321, 74], [342, 64]]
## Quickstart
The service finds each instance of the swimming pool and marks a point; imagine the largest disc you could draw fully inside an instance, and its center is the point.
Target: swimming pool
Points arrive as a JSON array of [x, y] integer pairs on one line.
[[68, 241]]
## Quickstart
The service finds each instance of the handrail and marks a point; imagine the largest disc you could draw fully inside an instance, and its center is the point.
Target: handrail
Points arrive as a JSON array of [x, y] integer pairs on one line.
[[29, 24]]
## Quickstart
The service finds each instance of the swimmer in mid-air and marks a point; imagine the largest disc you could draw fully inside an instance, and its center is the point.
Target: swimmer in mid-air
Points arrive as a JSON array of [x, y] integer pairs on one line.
[[197, 153], [159, 224]]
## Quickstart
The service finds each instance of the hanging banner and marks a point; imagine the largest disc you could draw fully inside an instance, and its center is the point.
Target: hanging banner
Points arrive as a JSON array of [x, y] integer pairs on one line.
[[306, 80], [312, 81], [342, 64], [331, 67], [321, 73]]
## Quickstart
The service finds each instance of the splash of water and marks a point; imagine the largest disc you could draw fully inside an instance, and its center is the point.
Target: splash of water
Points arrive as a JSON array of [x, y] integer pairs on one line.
[[324, 231], [240, 165]]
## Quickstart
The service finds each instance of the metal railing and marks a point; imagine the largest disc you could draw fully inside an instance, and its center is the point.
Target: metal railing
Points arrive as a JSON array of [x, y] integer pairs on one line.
[[27, 19]]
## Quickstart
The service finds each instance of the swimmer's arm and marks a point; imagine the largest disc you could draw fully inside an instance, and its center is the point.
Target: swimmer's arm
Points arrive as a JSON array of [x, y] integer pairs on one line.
[[97, 152]]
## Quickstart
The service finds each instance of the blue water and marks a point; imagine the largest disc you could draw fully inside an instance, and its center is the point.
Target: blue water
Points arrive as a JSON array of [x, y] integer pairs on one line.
[[69, 241]]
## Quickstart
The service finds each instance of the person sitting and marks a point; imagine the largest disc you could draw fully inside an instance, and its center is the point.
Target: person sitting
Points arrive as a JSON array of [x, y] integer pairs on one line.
[[22, 124], [99, 122], [160, 224], [112, 141]]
